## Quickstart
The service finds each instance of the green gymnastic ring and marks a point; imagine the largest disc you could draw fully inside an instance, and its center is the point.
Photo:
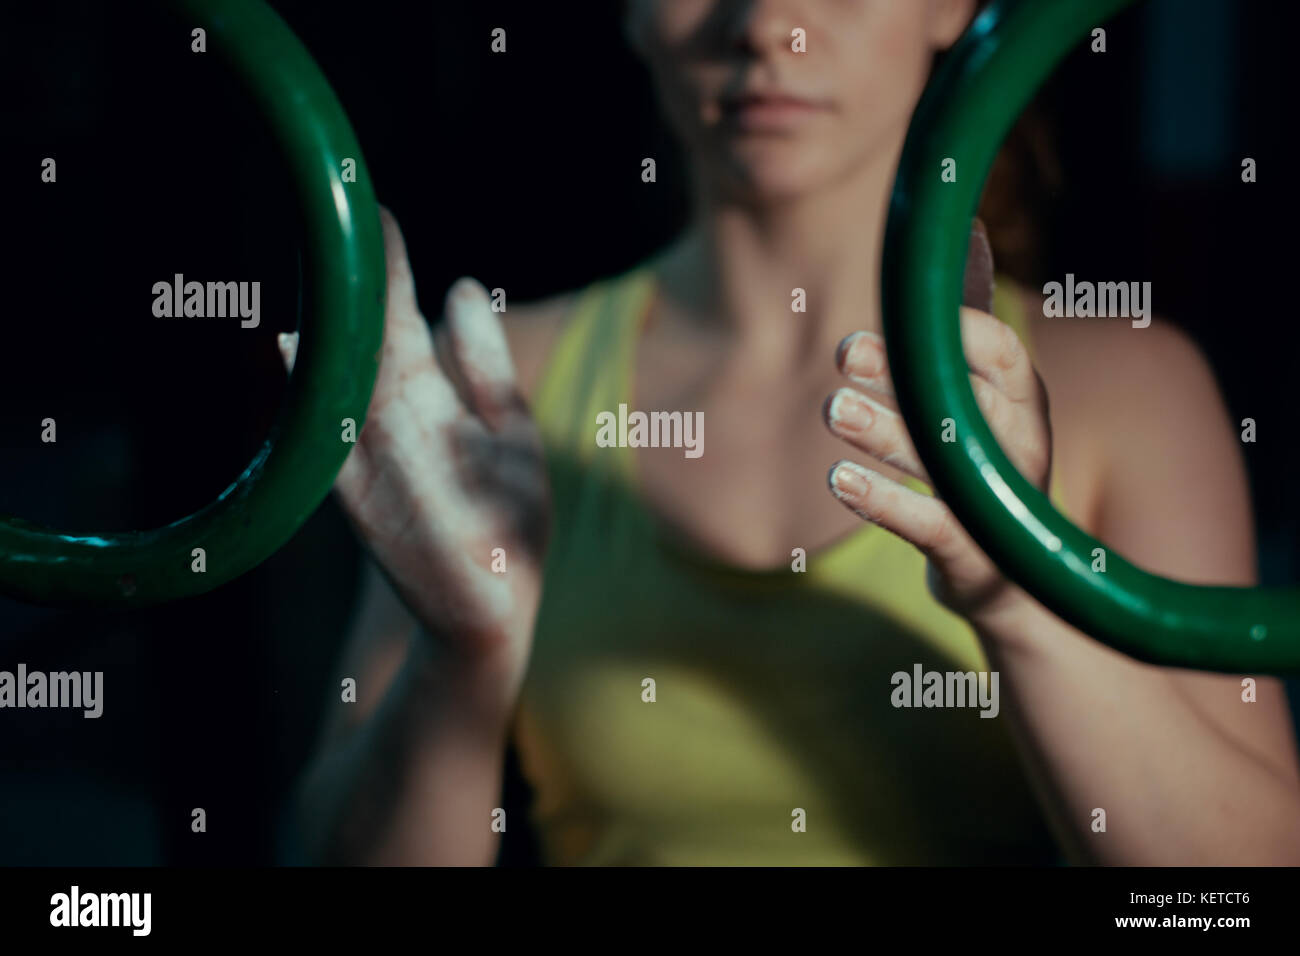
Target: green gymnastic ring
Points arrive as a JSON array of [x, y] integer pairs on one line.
[[965, 113], [334, 372]]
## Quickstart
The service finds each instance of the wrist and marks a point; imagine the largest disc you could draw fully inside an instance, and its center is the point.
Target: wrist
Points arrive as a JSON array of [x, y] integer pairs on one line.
[[1015, 623], [477, 693]]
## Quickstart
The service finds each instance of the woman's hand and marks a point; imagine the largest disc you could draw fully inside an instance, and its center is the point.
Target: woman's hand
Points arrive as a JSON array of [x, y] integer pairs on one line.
[[1013, 400], [447, 469]]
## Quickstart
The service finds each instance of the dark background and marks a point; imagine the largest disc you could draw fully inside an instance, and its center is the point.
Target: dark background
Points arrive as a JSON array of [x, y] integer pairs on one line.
[[522, 170]]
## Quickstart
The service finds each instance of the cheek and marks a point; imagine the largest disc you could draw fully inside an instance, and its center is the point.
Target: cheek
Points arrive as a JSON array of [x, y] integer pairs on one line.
[[666, 24], [661, 32], [883, 70], [679, 104], [878, 106]]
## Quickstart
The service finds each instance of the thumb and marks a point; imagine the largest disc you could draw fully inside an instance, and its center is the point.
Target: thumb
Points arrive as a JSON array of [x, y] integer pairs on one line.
[[288, 345], [977, 285]]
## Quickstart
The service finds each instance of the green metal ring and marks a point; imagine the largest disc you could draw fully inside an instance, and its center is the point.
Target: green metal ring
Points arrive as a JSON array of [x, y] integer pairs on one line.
[[334, 372], [964, 114]]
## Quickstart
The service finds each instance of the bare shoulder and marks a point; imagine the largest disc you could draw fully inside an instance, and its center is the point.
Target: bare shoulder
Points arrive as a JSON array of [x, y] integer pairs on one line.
[[1120, 392], [1111, 362], [532, 329]]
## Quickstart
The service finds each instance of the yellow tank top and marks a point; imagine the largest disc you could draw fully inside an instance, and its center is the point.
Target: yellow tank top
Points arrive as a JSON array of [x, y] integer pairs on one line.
[[772, 737]]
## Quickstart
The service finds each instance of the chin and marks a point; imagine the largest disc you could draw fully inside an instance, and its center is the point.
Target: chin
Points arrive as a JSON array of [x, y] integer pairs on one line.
[[774, 175]]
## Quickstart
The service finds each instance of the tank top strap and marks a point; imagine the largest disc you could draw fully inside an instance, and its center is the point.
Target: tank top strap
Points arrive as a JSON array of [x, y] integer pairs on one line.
[[1009, 306], [587, 370]]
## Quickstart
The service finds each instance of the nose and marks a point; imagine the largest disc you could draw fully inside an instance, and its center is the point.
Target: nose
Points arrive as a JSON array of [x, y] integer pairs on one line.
[[761, 26]]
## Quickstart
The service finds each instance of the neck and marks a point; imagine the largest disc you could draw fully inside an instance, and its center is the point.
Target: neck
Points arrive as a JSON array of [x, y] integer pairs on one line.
[[737, 266]]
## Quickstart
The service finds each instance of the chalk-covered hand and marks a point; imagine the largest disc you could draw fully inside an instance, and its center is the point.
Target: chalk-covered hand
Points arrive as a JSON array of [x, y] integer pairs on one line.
[[447, 470]]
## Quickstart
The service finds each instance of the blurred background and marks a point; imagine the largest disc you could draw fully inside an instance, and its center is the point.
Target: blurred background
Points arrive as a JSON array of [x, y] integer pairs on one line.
[[522, 170]]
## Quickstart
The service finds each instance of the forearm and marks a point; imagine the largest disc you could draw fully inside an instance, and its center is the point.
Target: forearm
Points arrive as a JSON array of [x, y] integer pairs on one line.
[[1097, 730], [415, 783]]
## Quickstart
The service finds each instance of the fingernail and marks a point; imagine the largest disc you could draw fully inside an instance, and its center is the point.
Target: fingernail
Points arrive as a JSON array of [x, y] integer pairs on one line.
[[849, 480], [860, 356], [848, 413], [845, 346]]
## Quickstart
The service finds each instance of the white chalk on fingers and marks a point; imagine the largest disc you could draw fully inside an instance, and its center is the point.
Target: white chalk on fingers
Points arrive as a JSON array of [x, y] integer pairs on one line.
[[432, 399], [288, 343], [476, 333]]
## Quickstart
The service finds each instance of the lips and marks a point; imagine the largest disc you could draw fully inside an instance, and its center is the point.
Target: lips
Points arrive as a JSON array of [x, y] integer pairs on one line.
[[770, 112], [769, 98]]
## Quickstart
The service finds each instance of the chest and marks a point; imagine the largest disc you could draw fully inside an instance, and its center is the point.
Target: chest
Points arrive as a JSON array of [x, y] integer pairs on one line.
[[754, 487]]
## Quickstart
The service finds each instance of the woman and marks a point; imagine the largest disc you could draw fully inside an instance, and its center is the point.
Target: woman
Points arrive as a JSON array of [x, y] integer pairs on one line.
[[697, 656]]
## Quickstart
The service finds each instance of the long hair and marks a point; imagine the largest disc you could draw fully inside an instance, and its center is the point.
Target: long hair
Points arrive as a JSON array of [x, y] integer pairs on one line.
[[1024, 179]]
